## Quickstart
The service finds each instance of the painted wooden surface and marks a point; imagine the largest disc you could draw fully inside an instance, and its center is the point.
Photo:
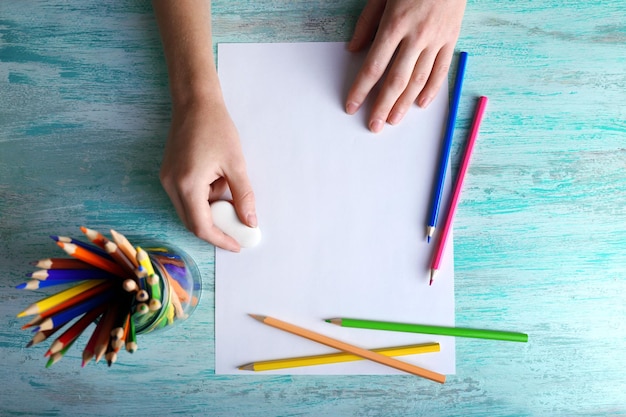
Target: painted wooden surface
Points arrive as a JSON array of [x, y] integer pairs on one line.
[[540, 233]]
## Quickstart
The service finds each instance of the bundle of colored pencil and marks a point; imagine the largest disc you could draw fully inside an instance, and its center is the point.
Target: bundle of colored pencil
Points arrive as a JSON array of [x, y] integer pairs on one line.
[[109, 283]]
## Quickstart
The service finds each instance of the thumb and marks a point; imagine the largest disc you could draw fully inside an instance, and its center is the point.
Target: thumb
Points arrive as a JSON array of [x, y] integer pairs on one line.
[[243, 199]]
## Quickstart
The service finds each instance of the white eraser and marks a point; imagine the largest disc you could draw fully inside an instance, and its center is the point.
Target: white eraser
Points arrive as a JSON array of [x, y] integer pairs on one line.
[[225, 217]]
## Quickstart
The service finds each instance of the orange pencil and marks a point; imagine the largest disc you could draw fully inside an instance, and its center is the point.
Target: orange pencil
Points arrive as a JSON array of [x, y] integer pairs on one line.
[[75, 330], [125, 246], [345, 347], [94, 236], [92, 258]]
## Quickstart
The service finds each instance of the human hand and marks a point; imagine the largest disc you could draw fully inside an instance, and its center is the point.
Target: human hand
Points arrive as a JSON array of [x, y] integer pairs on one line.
[[202, 159], [414, 41]]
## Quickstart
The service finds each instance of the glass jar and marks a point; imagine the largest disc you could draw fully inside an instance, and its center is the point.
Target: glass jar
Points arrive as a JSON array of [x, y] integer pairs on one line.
[[174, 292]]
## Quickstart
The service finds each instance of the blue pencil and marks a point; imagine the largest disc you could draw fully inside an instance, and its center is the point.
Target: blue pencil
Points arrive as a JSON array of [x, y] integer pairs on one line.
[[69, 314], [70, 274], [35, 284], [446, 145]]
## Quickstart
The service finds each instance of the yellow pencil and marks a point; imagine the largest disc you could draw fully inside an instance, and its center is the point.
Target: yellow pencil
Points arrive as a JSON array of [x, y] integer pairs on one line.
[[337, 357], [355, 350], [49, 302], [144, 260]]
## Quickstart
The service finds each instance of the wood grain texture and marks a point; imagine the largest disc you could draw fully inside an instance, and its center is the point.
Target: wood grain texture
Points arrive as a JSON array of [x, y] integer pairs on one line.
[[540, 233]]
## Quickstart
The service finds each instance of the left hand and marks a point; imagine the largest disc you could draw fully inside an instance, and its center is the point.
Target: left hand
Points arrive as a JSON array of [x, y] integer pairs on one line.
[[413, 42]]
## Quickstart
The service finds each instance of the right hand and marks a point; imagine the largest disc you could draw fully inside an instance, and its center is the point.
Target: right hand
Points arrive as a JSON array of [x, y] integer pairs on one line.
[[202, 159]]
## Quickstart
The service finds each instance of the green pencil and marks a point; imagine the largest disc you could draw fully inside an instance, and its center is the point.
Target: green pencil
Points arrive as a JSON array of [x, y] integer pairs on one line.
[[426, 329]]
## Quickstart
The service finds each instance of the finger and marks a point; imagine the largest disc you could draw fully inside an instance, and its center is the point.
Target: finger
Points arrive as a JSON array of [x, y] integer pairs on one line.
[[366, 25], [419, 77], [372, 70], [438, 76], [396, 82], [200, 221], [243, 197], [218, 189]]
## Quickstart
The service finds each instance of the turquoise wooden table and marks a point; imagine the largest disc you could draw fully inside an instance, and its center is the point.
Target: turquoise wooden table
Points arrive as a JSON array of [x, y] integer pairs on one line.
[[540, 233]]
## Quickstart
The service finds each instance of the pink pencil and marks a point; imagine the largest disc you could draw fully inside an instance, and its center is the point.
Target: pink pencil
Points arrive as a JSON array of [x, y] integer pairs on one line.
[[443, 237]]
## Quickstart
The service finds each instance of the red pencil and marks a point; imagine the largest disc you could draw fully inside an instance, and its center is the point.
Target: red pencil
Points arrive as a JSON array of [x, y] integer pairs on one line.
[[90, 349], [61, 263], [75, 330], [98, 289], [473, 134]]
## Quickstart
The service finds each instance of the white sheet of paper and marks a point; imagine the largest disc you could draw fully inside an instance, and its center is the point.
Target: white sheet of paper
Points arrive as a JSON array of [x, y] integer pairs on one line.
[[343, 213]]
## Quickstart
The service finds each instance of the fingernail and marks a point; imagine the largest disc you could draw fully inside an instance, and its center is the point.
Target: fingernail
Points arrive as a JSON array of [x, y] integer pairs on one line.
[[351, 108], [395, 118], [376, 125], [424, 102], [252, 220]]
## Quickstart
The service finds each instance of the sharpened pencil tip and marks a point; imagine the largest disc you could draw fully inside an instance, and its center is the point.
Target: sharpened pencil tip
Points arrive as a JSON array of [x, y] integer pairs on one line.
[[257, 317], [21, 286]]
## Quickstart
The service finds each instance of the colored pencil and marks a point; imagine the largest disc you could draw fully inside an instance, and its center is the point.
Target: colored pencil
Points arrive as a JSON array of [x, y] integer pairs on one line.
[[131, 337], [90, 349], [144, 260], [337, 357], [35, 284], [121, 315], [85, 245], [59, 355], [125, 246], [69, 274], [142, 296], [130, 285], [104, 336], [49, 302], [142, 308], [458, 186], [69, 303], [41, 336], [116, 253], [61, 263], [427, 329], [93, 258], [71, 313], [75, 329], [155, 292], [94, 236], [345, 347], [446, 146]]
